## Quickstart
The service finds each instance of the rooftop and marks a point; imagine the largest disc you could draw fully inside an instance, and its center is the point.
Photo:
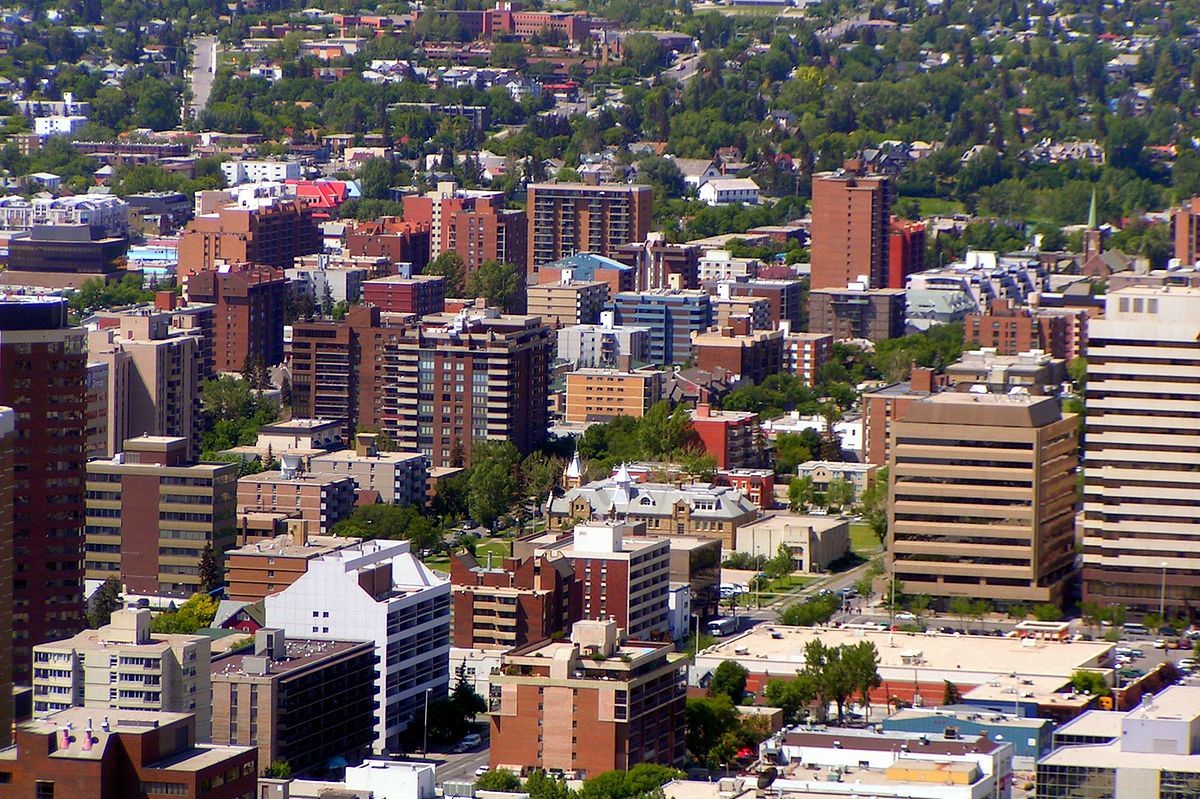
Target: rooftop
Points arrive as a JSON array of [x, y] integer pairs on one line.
[[305, 478], [301, 654], [1094, 724], [985, 409], [286, 546]]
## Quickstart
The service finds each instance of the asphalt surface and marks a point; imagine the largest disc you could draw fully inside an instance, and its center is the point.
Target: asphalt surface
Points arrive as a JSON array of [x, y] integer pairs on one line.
[[204, 62]]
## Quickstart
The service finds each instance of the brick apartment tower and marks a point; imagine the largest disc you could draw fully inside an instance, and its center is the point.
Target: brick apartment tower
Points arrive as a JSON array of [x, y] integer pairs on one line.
[[1185, 231], [906, 251], [515, 602], [272, 233], [249, 302], [43, 377], [569, 218], [8, 431], [473, 224], [850, 228]]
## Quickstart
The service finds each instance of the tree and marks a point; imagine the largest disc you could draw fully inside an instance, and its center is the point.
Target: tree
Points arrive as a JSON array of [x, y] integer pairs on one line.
[[839, 494], [950, 693], [643, 53], [540, 785], [466, 700], [390, 522], [790, 696], [814, 610], [1124, 142], [1090, 682], [782, 564], [801, 493], [492, 487], [1047, 611], [642, 780], [194, 614], [450, 266], [1091, 613], [497, 780], [376, 176], [707, 720], [874, 504], [729, 680], [791, 450], [106, 601], [861, 660], [277, 770], [960, 608], [210, 571], [502, 285]]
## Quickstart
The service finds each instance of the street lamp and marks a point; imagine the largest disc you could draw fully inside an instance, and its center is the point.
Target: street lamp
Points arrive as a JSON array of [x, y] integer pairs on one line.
[[425, 731], [1162, 595]]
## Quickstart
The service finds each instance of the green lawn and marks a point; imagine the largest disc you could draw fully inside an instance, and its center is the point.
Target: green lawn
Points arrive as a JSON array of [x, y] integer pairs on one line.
[[498, 547], [863, 541], [938, 206]]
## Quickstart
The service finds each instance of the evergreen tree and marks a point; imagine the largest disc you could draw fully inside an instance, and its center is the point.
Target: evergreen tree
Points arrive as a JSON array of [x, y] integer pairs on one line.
[[104, 603], [210, 571]]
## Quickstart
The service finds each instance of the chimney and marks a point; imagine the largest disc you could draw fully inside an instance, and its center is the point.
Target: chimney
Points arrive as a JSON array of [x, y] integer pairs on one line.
[[703, 410], [166, 300], [87, 737], [922, 379], [64, 738]]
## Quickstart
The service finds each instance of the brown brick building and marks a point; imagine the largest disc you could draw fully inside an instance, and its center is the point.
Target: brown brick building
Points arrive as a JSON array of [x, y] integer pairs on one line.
[[875, 315], [302, 701], [434, 386], [43, 378], [517, 602], [318, 499], [417, 295], [82, 754], [751, 355], [473, 224], [569, 218], [8, 429], [906, 252], [270, 232], [661, 265], [248, 319], [151, 512], [785, 298], [260, 568], [589, 705], [882, 407], [398, 240], [1011, 331], [850, 218]]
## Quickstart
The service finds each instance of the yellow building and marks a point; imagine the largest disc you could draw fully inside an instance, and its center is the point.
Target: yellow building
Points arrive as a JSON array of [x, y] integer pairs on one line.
[[603, 394]]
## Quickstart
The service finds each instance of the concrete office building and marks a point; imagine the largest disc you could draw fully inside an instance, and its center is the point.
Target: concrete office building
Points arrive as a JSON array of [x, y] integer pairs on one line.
[[268, 231], [854, 312], [320, 499], [604, 394], [604, 345], [305, 701], [784, 298], [622, 574], [982, 500], [567, 302], [260, 568], [124, 666], [85, 754], [150, 514], [569, 218], [1154, 756], [1033, 372], [98, 408], [162, 391], [398, 478], [8, 430], [1140, 526], [377, 591], [588, 705], [249, 303], [813, 541], [851, 211], [196, 318], [43, 378], [671, 316], [513, 603], [882, 407]]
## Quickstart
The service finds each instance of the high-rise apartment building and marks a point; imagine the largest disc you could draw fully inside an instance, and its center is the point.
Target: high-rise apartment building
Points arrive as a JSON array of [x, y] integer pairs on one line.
[[182, 317], [43, 378], [567, 302], [268, 231], [569, 218], [8, 431], [417, 295], [906, 252], [248, 323], [661, 264], [671, 316], [304, 701], [733, 438], [514, 602], [982, 498], [622, 574], [434, 386], [398, 240], [1185, 231], [604, 394], [1011, 331], [398, 478], [472, 223], [161, 368], [857, 313], [805, 353], [851, 212], [784, 299], [150, 514], [124, 666], [1141, 532], [745, 354], [377, 591], [590, 704], [320, 499], [99, 442]]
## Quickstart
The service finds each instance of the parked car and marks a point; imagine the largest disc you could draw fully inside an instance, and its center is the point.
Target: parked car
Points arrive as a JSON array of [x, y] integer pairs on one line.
[[905, 615]]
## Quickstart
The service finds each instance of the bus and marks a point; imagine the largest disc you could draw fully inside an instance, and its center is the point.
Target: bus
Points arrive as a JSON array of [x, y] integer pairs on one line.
[[723, 626]]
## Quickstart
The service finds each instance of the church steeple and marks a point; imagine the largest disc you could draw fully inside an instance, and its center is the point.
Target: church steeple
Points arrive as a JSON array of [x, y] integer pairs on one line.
[[1092, 239], [573, 474]]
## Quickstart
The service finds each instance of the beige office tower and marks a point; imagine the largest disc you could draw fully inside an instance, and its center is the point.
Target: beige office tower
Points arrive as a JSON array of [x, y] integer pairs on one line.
[[1141, 541], [982, 498]]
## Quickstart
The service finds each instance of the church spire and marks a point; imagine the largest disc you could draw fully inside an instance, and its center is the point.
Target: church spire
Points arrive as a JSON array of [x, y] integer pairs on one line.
[[1091, 223]]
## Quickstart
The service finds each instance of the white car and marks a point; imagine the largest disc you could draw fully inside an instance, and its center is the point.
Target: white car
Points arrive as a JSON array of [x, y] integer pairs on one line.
[[479, 772], [904, 615], [1160, 643]]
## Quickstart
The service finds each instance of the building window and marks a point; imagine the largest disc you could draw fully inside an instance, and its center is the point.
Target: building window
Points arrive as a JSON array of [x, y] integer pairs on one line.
[[43, 790]]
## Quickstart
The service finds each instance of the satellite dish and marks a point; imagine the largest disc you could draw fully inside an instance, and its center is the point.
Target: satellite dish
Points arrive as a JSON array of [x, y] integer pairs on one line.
[[767, 776]]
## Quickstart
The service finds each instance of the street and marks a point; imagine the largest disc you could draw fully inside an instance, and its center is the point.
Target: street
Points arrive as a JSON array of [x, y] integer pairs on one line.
[[452, 767], [203, 71]]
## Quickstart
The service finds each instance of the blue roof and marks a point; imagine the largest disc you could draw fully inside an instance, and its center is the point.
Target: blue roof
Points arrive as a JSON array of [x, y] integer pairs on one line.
[[585, 264]]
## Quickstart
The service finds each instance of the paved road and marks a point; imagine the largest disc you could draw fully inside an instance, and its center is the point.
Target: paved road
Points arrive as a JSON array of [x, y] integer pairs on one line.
[[685, 69], [459, 767], [204, 66]]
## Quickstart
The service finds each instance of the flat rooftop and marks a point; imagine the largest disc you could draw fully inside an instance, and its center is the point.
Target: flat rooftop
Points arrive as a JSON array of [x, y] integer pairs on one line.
[[1112, 756], [287, 547], [1094, 723], [304, 478], [301, 653], [979, 658], [295, 425], [869, 740], [1174, 703], [350, 456]]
